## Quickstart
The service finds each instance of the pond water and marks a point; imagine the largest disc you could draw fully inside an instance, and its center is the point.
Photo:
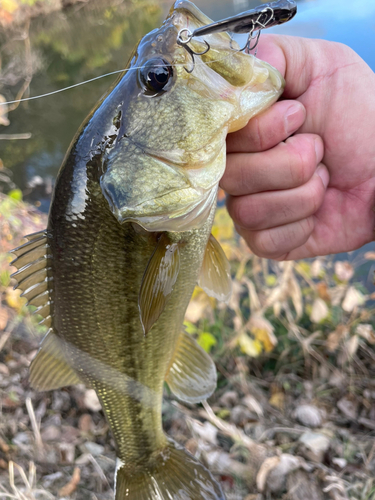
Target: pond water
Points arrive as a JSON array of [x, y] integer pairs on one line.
[[91, 39]]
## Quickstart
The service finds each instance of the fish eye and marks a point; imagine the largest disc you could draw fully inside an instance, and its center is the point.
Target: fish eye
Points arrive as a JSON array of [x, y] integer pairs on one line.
[[155, 76]]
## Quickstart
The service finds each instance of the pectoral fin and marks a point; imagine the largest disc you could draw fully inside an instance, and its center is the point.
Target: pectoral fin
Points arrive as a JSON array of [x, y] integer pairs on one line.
[[49, 369], [192, 373], [215, 276], [158, 281]]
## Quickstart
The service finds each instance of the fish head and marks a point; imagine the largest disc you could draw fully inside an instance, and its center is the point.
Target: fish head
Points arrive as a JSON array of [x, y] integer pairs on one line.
[[163, 168]]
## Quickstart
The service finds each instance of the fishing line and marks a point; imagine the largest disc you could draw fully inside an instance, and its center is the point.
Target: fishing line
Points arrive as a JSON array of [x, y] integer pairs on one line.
[[24, 99]]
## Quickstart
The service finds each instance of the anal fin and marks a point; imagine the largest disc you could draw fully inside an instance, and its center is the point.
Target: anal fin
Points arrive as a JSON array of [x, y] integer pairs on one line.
[[192, 373], [49, 369], [215, 276]]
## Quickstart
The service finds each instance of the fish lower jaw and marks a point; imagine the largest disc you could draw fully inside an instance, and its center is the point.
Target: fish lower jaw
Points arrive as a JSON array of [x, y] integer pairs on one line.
[[186, 218]]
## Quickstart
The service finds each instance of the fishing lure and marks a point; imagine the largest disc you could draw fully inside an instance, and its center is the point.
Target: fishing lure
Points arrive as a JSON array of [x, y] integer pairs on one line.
[[257, 19]]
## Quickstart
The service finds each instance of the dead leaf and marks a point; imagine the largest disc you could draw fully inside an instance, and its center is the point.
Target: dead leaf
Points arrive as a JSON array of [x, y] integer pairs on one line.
[[277, 398], [14, 300], [352, 345], [296, 295], [249, 346], [316, 268], [367, 332], [335, 338], [199, 305], [336, 294], [353, 298], [70, 487], [319, 310], [263, 331], [344, 270], [266, 467], [323, 291]]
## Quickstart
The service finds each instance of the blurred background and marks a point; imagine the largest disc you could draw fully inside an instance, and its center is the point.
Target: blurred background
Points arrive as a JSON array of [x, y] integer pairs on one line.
[[294, 347]]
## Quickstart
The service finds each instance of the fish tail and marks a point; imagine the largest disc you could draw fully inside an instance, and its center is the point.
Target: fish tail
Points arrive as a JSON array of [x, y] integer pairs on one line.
[[172, 473]]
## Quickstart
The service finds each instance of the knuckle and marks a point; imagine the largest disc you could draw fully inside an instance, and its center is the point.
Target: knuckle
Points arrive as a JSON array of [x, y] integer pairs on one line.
[[315, 196], [301, 161], [246, 212], [265, 243]]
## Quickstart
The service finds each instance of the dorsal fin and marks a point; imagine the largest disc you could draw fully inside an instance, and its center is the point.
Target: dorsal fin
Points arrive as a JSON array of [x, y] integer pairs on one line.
[[191, 375], [33, 263], [49, 369], [215, 276], [158, 281]]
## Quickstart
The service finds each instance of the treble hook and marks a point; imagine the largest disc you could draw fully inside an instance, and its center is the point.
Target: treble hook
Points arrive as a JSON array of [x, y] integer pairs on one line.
[[259, 26], [184, 44]]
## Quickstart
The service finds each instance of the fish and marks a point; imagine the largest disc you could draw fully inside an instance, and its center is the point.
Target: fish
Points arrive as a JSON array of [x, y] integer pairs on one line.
[[129, 237]]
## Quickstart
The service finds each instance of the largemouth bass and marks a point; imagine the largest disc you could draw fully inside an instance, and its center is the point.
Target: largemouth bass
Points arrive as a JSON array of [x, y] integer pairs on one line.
[[128, 238]]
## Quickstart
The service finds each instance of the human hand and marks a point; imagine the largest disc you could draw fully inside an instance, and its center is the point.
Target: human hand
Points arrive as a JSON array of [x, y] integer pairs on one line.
[[279, 199]]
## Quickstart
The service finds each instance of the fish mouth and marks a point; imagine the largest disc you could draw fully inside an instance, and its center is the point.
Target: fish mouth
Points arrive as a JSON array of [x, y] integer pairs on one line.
[[188, 217], [157, 194]]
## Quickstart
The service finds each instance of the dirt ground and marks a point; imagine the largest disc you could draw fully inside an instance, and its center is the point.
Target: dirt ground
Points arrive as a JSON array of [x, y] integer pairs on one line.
[[293, 416]]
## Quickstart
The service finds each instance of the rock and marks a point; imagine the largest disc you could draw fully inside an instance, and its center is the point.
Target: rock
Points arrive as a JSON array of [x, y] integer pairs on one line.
[[50, 479], [206, 431], [22, 438], [91, 400], [229, 399], [252, 404], [240, 415], [348, 407], [94, 448], [51, 433], [308, 415], [316, 445], [85, 423], [67, 452], [277, 476], [340, 462], [301, 486]]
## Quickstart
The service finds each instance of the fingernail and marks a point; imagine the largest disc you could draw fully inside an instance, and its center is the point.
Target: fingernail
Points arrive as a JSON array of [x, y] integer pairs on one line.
[[293, 118], [323, 174]]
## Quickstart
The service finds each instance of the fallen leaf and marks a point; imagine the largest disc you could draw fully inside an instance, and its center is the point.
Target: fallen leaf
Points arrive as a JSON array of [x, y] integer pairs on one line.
[[335, 338], [319, 311], [316, 268], [367, 332], [249, 346], [206, 340], [266, 467], [323, 291], [296, 295], [14, 300], [277, 399], [344, 270], [351, 346], [353, 298], [263, 331]]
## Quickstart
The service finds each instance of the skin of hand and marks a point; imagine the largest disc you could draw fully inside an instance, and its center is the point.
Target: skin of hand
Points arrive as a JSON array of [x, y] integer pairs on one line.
[[311, 193]]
